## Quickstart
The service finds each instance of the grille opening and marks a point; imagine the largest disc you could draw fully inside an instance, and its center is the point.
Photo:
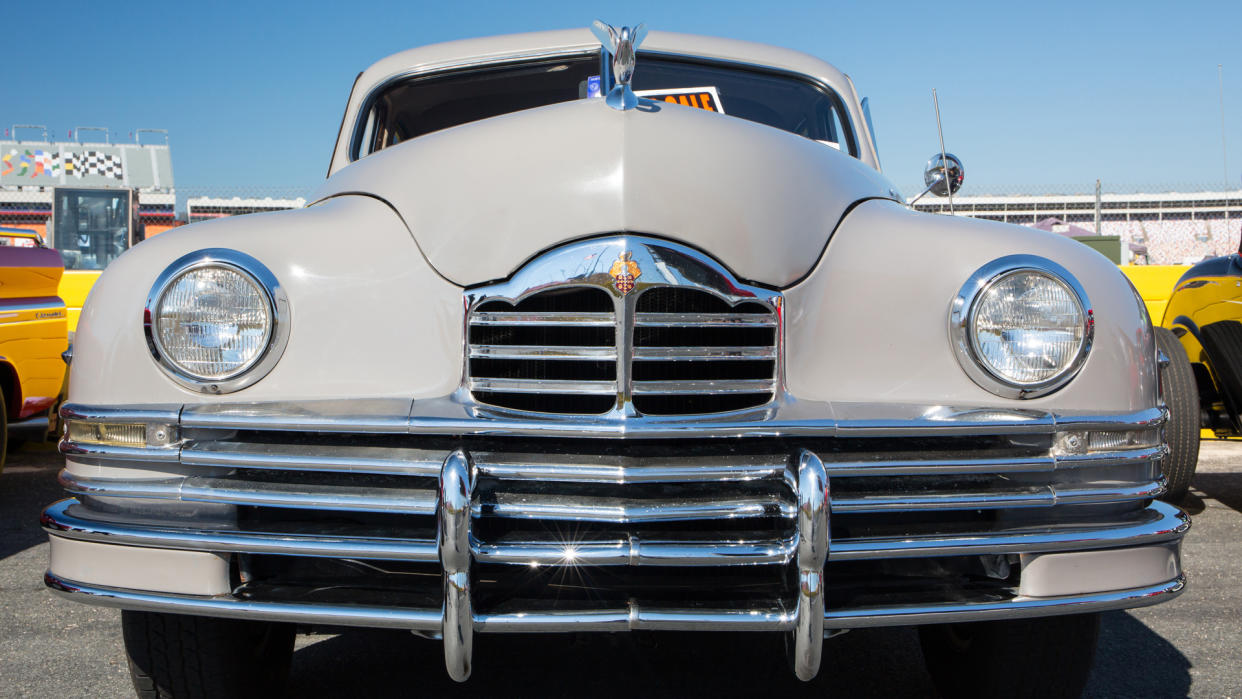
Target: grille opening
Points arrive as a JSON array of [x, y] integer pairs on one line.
[[546, 332], [703, 371], [671, 299], [545, 369], [704, 337], [700, 404], [543, 335], [569, 299], [558, 403]]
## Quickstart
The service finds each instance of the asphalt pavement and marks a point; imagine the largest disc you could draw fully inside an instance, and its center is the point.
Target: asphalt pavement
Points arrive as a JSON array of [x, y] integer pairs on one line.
[[1191, 646]]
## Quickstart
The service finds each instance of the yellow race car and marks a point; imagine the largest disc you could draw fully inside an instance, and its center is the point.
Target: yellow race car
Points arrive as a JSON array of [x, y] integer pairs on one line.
[[1198, 319], [33, 336]]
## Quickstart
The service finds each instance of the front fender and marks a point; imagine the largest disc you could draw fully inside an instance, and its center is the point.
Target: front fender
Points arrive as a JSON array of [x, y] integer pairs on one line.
[[369, 317], [870, 322]]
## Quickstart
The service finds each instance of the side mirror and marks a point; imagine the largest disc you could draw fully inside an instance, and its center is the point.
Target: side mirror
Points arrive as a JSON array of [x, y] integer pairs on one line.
[[944, 174]]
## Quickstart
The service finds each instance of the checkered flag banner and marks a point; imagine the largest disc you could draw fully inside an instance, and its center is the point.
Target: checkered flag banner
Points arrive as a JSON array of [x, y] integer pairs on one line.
[[93, 163]]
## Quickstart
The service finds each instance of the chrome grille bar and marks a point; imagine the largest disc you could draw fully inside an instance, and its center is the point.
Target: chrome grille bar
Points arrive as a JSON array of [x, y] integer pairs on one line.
[[326, 457], [239, 492], [703, 387], [543, 386], [704, 353], [571, 468], [627, 510], [541, 352], [587, 319], [704, 320]]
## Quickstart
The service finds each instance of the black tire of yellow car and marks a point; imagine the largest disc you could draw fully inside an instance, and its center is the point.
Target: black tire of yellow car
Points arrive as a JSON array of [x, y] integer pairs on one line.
[[4, 431], [1045, 657], [1181, 395], [172, 656]]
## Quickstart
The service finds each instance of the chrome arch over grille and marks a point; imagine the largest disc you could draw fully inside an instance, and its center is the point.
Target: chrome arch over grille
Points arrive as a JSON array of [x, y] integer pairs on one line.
[[576, 331]]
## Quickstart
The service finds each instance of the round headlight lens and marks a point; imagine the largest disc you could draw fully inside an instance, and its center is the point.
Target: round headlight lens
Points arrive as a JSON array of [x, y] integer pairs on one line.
[[213, 322], [1028, 328]]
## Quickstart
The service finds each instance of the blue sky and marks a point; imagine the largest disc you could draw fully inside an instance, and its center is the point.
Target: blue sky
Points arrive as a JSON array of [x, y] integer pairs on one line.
[[1036, 97]]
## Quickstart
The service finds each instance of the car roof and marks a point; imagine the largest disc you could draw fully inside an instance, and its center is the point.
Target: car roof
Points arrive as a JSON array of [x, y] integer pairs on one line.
[[469, 52]]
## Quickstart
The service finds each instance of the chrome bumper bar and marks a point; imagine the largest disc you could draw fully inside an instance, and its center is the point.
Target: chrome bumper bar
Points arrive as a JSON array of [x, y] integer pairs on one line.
[[633, 617], [453, 494]]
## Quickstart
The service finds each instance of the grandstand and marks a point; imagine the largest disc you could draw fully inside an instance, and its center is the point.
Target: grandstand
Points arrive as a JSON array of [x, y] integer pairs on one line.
[[1174, 227], [206, 208], [30, 169]]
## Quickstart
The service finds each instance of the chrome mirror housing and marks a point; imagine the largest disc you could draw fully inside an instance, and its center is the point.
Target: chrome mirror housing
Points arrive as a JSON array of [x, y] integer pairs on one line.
[[944, 174]]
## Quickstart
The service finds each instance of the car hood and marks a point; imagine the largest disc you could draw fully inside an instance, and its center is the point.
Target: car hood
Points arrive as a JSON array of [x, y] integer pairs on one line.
[[482, 198]]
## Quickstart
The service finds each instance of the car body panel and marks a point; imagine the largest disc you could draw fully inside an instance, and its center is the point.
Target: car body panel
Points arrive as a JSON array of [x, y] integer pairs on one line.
[[848, 342], [357, 287], [518, 184], [32, 328]]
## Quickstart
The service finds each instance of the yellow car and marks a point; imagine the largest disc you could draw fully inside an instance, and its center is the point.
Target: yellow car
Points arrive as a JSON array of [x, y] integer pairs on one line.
[[1197, 312], [33, 335]]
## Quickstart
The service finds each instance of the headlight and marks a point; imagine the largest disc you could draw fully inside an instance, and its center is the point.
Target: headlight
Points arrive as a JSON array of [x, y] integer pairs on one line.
[[216, 320], [1021, 326]]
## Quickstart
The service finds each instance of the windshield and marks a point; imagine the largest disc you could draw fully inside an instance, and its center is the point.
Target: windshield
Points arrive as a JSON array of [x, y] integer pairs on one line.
[[91, 226], [420, 105]]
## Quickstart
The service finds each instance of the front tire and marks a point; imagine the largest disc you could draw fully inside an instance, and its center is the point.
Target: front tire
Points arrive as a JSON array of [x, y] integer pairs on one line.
[[171, 656], [1181, 395], [1045, 657]]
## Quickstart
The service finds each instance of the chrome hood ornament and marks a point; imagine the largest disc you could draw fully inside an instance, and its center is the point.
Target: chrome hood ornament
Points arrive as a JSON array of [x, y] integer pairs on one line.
[[622, 45]]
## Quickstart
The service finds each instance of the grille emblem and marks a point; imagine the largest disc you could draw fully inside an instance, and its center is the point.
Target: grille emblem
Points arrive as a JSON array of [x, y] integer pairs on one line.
[[625, 271]]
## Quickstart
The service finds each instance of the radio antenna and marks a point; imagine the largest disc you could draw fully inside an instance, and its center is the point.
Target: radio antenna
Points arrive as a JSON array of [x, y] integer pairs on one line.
[[944, 161]]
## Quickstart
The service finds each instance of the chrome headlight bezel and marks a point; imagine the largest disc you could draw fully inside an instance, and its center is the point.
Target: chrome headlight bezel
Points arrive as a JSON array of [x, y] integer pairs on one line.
[[962, 316], [277, 305]]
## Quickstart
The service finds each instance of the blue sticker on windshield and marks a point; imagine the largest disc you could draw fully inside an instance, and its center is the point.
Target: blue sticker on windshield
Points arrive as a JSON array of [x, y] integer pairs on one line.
[[593, 86]]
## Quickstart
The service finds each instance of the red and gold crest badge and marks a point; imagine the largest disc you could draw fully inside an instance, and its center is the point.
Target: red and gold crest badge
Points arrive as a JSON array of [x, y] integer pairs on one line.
[[625, 272]]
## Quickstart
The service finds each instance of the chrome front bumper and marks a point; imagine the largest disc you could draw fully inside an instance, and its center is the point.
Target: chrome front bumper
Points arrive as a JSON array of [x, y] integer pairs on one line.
[[812, 518]]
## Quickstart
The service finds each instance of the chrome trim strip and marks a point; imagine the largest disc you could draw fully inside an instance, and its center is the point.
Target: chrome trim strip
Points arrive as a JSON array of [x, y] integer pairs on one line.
[[573, 468], [57, 520], [447, 416], [453, 543], [638, 617], [1158, 523], [633, 551], [685, 354], [1161, 522], [147, 414], [1016, 608], [813, 549], [604, 319], [233, 608], [234, 492], [541, 352], [962, 313], [705, 320], [542, 386], [277, 335], [1032, 496], [633, 616], [691, 387], [321, 457], [84, 451], [626, 511]]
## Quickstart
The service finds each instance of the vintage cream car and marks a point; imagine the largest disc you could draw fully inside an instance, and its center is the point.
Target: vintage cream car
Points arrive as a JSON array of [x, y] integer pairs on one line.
[[595, 339]]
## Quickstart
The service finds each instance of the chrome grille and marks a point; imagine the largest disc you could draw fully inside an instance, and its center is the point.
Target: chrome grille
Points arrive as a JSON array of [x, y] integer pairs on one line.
[[554, 352], [681, 338], [696, 353]]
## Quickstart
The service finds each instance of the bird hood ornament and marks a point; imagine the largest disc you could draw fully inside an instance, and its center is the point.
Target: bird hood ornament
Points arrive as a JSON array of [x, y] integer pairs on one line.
[[621, 44]]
